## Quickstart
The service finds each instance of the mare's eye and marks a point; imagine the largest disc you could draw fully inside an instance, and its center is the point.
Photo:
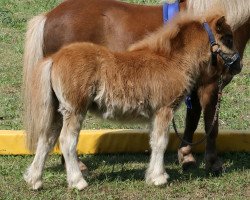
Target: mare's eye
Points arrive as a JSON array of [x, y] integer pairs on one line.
[[227, 40]]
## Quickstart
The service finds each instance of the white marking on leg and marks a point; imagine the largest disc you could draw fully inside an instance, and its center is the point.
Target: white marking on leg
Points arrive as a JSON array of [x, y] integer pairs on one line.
[[46, 141], [68, 143], [156, 173], [33, 175]]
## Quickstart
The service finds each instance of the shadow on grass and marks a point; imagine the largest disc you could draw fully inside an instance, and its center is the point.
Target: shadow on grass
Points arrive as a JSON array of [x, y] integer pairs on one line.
[[123, 167]]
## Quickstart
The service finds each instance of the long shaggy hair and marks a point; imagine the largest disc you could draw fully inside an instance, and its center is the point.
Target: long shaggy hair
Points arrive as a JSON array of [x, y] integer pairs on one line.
[[32, 53], [237, 11]]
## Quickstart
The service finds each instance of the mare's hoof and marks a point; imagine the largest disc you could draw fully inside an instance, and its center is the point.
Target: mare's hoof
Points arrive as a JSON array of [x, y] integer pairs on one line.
[[213, 165], [188, 164], [186, 159]]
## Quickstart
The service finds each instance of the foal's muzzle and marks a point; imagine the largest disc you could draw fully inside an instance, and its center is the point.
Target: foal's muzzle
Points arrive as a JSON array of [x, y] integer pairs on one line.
[[231, 61], [228, 59]]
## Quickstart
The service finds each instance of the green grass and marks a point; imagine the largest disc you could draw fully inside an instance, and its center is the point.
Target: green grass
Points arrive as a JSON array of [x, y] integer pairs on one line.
[[122, 177], [112, 176]]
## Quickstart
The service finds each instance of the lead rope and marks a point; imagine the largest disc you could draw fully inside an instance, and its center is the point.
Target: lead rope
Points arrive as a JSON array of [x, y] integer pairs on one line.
[[220, 82]]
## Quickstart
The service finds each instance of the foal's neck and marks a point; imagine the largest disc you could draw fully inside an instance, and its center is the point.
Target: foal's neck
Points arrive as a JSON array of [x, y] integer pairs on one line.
[[191, 47]]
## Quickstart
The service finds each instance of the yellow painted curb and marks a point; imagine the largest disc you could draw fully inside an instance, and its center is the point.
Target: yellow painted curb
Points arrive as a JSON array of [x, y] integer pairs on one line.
[[121, 141]]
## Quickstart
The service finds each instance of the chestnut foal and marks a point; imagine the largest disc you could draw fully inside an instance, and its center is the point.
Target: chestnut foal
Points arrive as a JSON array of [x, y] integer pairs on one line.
[[116, 25], [147, 82]]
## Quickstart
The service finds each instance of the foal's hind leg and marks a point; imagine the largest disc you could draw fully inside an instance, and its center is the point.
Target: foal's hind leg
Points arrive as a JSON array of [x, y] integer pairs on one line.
[[68, 142], [33, 175], [159, 137], [185, 157]]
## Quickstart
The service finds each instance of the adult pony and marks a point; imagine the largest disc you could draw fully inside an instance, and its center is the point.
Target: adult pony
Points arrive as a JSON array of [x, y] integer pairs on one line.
[[148, 83], [116, 25]]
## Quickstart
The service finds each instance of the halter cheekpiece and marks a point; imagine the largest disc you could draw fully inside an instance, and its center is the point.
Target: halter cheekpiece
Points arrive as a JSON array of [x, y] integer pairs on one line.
[[228, 59]]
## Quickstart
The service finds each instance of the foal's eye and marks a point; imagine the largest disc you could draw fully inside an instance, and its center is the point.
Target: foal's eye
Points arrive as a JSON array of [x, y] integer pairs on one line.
[[227, 40]]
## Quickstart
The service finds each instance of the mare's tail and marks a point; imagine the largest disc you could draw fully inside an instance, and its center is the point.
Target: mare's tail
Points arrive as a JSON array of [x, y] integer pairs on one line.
[[39, 104], [33, 45], [32, 53]]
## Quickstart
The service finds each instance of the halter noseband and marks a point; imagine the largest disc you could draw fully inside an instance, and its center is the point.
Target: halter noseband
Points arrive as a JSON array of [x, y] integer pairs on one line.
[[228, 59]]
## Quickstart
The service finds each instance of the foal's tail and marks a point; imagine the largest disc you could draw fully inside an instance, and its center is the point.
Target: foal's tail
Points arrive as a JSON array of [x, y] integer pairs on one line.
[[39, 108]]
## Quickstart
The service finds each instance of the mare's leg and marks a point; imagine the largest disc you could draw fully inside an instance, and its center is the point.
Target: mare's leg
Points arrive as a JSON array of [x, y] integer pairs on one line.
[[212, 162], [33, 175], [185, 156], [159, 137], [68, 142]]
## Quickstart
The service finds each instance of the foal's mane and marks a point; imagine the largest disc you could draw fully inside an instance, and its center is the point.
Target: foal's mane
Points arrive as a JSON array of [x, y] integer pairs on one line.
[[160, 41]]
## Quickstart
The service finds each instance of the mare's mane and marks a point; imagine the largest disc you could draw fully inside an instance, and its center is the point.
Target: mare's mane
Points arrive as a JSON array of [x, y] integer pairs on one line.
[[160, 40], [237, 11]]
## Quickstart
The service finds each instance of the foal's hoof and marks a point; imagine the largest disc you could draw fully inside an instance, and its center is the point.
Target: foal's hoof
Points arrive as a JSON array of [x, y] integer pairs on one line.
[[159, 180], [38, 185], [213, 165], [80, 185], [186, 159], [35, 184]]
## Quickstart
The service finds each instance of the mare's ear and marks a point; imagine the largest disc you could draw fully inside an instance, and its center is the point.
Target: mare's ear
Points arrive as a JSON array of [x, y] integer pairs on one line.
[[220, 22]]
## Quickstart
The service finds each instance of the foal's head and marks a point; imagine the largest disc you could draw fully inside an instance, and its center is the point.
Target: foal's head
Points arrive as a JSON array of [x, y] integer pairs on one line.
[[224, 55], [187, 31]]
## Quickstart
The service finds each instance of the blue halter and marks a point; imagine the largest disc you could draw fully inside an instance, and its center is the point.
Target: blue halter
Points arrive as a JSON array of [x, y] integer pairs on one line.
[[170, 10], [210, 34], [229, 60]]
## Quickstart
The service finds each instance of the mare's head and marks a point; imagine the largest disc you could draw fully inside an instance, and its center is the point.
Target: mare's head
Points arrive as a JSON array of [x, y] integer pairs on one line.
[[224, 56]]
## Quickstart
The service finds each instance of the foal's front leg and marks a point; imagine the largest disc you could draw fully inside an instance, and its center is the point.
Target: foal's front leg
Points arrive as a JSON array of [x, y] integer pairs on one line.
[[68, 142], [159, 137]]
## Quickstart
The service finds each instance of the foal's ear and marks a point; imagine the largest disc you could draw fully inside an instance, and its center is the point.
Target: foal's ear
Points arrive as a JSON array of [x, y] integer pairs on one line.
[[220, 22]]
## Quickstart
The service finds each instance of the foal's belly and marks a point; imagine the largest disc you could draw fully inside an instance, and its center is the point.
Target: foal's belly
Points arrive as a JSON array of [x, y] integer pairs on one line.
[[126, 114]]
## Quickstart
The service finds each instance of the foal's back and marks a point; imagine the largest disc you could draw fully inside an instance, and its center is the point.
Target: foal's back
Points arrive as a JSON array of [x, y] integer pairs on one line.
[[136, 79]]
